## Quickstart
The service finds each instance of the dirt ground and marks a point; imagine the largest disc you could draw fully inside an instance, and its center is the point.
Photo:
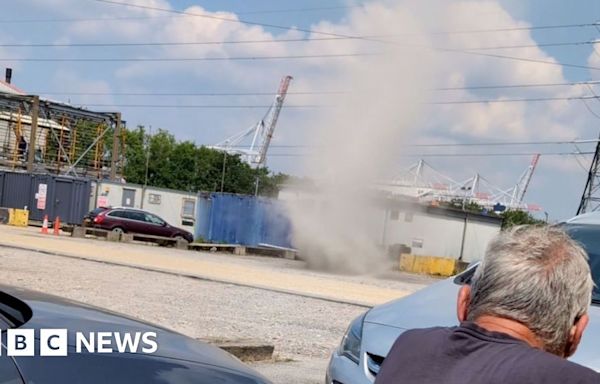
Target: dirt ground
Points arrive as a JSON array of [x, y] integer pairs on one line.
[[304, 330]]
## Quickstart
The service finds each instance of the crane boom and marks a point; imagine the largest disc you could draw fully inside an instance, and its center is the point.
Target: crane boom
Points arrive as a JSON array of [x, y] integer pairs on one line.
[[271, 121], [261, 132], [526, 178]]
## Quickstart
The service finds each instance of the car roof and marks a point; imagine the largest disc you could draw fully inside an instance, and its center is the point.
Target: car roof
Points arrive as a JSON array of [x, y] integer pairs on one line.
[[586, 218]]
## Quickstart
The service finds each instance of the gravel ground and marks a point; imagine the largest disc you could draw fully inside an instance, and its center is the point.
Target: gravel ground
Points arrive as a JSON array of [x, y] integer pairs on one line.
[[303, 330]]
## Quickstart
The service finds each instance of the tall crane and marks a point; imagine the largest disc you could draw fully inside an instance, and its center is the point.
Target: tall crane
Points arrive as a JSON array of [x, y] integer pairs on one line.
[[262, 132], [521, 187]]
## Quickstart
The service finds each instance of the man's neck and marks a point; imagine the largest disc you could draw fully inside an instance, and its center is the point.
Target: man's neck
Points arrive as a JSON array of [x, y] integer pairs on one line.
[[511, 328]]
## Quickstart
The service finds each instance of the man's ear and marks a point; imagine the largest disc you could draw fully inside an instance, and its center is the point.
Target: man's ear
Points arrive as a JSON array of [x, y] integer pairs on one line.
[[575, 334], [462, 303]]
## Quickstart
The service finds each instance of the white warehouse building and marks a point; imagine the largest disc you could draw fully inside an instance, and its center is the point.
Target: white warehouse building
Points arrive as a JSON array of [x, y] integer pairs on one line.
[[438, 231]]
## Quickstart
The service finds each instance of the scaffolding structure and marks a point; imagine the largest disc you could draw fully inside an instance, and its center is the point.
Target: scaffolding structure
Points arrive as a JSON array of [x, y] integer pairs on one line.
[[47, 136]]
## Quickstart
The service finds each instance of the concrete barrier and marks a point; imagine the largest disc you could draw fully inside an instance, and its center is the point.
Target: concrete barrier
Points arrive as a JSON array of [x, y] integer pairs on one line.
[[247, 350], [431, 265], [18, 217]]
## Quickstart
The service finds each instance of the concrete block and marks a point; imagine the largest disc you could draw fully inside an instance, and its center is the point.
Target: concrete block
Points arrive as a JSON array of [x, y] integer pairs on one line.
[[246, 350], [290, 255], [78, 232], [113, 236], [430, 265], [181, 244], [126, 237], [18, 217], [240, 251]]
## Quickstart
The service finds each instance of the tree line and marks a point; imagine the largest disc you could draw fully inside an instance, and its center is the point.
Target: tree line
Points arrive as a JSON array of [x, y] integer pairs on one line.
[[159, 160]]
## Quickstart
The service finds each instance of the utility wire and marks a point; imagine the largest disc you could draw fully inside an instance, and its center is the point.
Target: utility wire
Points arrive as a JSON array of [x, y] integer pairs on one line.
[[161, 94], [267, 41], [533, 99], [181, 59], [192, 106], [503, 86], [502, 154], [467, 52], [115, 18], [257, 58], [474, 144], [280, 27], [457, 102], [500, 29], [221, 18], [298, 10], [319, 92]]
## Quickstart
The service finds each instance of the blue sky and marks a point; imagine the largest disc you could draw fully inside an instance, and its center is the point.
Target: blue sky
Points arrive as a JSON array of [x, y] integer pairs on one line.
[[557, 186]]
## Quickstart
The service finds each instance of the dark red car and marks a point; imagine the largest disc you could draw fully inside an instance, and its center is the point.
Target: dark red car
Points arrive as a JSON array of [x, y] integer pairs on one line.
[[123, 220]]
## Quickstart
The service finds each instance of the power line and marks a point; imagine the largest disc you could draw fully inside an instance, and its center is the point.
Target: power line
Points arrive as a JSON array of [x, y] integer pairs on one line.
[[194, 106], [267, 41], [116, 18], [502, 154], [474, 144], [319, 92], [173, 43], [256, 58], [502, 86], [76, 20], [161, 94], [533, 99], [287, 28], [221, 18], [242, 106], [182, 59], [298, 10], [500, 29]]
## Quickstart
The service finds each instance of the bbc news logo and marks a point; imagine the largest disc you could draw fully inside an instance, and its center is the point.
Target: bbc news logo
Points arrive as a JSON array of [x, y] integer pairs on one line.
[[55, 342]]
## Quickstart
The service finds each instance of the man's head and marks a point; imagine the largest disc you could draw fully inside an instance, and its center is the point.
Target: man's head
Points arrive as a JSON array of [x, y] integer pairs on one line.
[[538, 277]]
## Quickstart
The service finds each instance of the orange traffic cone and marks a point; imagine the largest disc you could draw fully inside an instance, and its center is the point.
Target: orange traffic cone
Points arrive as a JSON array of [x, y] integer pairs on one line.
[[56, 226], [45, 225]]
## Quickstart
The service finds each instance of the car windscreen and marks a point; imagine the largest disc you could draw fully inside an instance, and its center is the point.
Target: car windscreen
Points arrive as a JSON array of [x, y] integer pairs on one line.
[[589, 238]]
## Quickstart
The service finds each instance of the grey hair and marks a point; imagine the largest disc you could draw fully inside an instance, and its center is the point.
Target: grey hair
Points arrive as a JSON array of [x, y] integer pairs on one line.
[[537, 276]]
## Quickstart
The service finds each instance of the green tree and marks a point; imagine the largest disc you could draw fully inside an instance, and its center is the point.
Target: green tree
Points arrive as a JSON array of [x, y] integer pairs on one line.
[[186, 166], [518, 217]]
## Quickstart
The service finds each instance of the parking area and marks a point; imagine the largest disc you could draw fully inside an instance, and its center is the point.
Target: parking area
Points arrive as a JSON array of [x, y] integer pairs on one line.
[[304, 325]]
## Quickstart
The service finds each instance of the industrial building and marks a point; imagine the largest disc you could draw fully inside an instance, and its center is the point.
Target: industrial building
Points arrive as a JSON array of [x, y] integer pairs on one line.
[[421, 229], [178, 208]]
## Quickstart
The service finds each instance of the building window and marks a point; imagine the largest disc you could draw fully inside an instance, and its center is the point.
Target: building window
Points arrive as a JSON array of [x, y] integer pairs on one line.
[[408, 217], [154, 198], [189, 208], [395, 215]]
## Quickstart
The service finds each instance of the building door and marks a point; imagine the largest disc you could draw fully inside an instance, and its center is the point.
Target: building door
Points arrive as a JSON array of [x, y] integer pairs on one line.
[[128, 197], [63, 191]]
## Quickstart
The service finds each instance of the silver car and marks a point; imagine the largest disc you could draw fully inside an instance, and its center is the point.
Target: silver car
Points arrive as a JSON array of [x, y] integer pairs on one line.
[[370, 336]]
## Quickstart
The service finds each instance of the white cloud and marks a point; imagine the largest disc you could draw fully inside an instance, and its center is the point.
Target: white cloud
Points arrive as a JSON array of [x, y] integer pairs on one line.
[[402, 18]]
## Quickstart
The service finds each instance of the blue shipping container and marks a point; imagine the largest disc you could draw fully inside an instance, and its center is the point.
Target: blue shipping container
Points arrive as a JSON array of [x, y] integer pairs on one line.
[[241, 219]]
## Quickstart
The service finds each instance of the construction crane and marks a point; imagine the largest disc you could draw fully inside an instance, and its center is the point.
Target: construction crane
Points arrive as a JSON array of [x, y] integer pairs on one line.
[[262, 132], [521, 188]]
